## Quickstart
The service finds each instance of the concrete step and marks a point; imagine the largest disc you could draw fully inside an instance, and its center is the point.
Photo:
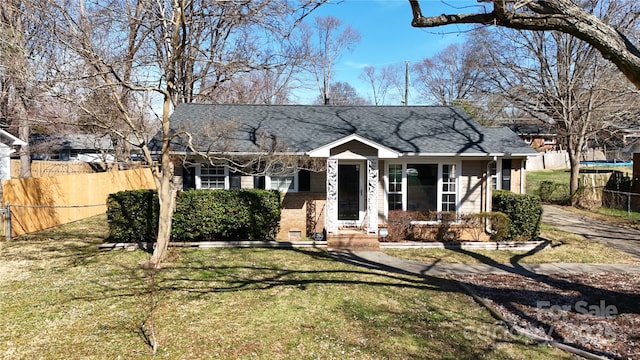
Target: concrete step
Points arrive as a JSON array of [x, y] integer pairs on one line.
[[352, 241]]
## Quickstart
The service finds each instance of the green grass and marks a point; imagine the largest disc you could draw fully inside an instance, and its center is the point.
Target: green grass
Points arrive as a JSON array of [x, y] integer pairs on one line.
[[534, 178], [564, 247], [621, 214], [62, 298]]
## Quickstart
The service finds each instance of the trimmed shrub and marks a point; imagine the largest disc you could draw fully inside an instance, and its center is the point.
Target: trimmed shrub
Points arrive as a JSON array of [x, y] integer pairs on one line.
[[245, 214], [524, 212], [200, 215], [133, 216]]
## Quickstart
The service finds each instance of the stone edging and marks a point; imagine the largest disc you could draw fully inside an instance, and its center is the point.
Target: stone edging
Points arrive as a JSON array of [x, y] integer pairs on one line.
[[217, 244], [470, 245], [467, 245]]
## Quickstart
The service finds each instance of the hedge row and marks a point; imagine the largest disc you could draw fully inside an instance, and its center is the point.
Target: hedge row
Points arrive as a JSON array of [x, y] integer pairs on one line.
[[201, 215]]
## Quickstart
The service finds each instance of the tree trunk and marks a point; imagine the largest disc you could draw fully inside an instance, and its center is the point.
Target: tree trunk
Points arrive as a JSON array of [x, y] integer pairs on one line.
[[574, 180], [167, 190], [23, 133], [167, 200]]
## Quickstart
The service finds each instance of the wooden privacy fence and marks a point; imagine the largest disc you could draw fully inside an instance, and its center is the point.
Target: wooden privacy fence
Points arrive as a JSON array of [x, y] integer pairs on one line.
[[41, 203]]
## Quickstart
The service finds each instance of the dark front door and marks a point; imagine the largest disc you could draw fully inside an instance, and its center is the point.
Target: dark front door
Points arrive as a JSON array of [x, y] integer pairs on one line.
[[349, 192]]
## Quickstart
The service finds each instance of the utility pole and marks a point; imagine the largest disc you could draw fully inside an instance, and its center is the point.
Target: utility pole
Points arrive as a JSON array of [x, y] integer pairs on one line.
[[406, 83]]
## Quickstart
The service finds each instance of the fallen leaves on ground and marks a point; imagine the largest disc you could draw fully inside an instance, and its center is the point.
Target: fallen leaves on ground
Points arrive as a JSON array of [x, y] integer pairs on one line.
[[597, 312]]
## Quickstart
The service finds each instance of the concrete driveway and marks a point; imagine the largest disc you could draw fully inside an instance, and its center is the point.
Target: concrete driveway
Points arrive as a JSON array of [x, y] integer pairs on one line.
[[624, 239]]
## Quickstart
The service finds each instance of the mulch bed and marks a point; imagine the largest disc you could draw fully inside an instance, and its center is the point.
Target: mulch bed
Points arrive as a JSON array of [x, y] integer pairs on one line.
[[596, 312]]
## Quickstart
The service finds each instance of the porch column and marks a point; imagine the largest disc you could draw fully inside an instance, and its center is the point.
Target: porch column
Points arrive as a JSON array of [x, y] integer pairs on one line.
[[331, 214], [372, 195]]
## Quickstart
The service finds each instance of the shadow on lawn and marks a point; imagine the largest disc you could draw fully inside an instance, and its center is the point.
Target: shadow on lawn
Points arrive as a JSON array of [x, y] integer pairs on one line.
[[56, 248], [511, 297], [200, 277]]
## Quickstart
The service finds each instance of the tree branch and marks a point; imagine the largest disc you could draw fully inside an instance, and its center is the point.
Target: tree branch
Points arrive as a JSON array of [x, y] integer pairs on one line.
[[550, 15]]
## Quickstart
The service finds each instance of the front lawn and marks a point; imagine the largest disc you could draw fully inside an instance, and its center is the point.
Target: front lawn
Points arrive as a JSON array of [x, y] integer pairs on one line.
[[565, 247], [62, 298]]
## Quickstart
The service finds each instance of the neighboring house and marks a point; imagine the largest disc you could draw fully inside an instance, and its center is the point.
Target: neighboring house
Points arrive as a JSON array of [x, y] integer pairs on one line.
[[541, 137], [7, 144], [71, 147], [373, 159]]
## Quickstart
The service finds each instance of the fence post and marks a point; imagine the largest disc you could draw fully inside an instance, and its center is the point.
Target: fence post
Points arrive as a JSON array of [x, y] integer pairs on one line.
[[8, 220], [629, 204]]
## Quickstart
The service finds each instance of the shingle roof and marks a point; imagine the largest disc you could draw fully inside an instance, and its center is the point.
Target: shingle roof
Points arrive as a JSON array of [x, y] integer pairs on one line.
[[301, 128]]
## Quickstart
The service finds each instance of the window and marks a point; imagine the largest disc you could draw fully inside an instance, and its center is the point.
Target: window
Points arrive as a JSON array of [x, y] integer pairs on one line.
[[422, 187], [448, 187], [283, 183], [422, 180], [506, 174], [395, 187], [500, 174], [285, 180], [212, 177], [493, 174]]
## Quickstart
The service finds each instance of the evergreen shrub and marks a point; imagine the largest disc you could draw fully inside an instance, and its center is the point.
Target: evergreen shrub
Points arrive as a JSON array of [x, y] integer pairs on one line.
[[524, 212], [200, 215]]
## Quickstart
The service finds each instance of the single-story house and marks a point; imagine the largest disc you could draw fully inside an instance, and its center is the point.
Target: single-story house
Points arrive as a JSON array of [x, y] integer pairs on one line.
[[8, 143], [71, 147], [346, 167], [542, 137]]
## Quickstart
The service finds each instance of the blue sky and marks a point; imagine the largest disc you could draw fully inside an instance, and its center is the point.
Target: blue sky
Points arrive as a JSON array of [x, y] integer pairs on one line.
[[388, 38]]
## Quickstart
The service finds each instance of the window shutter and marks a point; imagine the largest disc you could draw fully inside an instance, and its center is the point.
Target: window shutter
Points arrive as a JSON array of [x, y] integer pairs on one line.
[[258, 182], [188, 178], [304, 180]]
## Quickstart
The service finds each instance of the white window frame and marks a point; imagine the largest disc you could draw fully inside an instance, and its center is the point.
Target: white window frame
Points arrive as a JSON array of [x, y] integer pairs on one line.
[[439, 185], [454, 184], [268, 182], [199, 176], [387, 183], [495, 179]]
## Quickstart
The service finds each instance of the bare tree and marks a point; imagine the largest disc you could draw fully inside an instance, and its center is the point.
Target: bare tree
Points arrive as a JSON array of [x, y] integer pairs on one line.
[[380, 81], [16, 75], [559, 79], [612, 31], [452, 75], [342, 93], [325, 49], [181, 51]]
